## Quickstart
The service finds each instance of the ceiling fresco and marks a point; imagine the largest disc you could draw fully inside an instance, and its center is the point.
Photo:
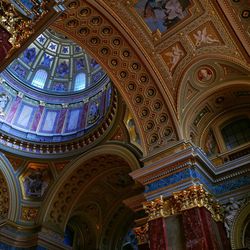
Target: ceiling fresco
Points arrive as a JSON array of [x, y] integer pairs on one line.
[[54, 92], [162, 14]]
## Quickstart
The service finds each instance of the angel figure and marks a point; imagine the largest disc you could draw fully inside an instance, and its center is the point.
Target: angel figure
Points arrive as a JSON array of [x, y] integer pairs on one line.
[[175, 55], [202, 37]]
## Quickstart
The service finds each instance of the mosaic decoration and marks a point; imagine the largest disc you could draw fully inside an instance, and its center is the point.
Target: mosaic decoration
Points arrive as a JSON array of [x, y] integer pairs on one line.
[[162, 14], [192, 173]]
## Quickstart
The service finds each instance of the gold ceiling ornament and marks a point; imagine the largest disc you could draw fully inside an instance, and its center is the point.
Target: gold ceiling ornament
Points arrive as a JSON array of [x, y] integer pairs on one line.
[[158, 208], [29, 213], [141, 234], [19, 28], [194, 196], [197, 196], [17, 25]]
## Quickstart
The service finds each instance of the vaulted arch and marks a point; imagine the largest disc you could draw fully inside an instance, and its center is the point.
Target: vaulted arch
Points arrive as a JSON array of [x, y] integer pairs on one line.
[[87, 26], [108, 164], [9, 198]]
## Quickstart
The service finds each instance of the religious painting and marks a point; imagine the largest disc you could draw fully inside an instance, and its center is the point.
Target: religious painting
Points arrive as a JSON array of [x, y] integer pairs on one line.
[[173, 55], [35, 181], [94, 110], [29, 55], [205, 74], [205, 35], [162, 14], [132, 129], [211, 147]]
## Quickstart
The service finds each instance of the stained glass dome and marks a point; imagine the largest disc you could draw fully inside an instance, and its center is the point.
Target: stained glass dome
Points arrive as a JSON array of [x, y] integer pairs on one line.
[[54, 98]]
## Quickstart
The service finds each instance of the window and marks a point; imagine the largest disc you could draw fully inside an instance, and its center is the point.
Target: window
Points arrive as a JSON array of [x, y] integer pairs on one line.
[[40, 79], [236, 133], [80, 82]]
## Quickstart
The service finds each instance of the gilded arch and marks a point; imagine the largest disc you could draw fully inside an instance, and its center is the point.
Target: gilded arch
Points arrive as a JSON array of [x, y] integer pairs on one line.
[[239, 226], [93, 31], [75, 180], [9, 187], [194, 101]]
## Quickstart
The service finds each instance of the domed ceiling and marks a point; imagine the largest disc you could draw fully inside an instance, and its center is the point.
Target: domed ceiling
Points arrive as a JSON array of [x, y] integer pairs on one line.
[[54, 98]]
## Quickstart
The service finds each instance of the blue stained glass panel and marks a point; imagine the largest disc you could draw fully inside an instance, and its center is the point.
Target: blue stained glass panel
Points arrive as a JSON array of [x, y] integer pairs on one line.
[[40, 78], [80, 82]]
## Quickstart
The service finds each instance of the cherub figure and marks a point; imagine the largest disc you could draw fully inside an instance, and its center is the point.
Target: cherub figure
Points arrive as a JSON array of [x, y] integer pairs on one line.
[[175, 55], [202, 37]]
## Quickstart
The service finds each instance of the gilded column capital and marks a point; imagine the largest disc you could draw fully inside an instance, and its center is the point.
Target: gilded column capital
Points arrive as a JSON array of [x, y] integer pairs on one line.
[[194, 196], [158, 208], [141, 234]]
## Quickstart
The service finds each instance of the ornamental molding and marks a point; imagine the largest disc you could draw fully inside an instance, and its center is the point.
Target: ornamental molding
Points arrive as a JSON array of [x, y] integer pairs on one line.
[[191, 157], [192, 197]]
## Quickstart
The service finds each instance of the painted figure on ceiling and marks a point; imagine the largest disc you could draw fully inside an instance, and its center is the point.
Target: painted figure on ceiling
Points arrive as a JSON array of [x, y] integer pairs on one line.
[[162, 14], [35, 183], [93, 112], [29, 55], [47, 60], [62, 69], [211, 147], [203, 37]]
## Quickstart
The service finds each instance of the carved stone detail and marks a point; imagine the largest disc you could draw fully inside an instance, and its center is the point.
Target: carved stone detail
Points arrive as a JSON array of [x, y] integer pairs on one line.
[[194, 196]]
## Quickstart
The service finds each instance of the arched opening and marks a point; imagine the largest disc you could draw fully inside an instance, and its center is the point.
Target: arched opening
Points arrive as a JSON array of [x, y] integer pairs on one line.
[[40, 78], [80, 82]]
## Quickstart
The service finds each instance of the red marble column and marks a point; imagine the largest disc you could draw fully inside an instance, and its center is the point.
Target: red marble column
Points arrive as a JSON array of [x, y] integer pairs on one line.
[[158, 234], [201, 231], [5, 45]]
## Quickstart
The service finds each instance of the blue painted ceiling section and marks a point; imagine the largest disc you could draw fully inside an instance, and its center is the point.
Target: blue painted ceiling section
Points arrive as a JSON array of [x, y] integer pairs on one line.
[[60, 62], [53, 92]]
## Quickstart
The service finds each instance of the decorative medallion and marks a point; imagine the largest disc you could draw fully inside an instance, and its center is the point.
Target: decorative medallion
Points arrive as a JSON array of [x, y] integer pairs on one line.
[[205, 74]]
